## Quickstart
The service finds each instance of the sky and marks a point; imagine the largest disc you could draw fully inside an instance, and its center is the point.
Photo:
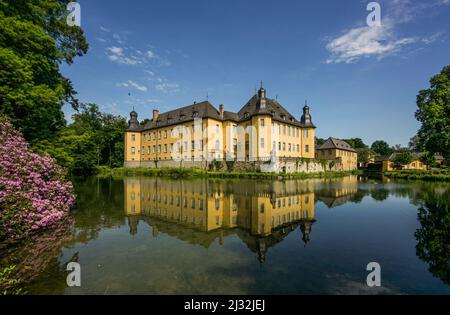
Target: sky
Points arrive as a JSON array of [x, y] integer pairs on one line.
[[359, 80]]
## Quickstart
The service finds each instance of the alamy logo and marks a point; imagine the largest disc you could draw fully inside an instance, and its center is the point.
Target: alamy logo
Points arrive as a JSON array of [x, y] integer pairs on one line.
[[74, 277], [374, 17], [374, 277], [74, 17]]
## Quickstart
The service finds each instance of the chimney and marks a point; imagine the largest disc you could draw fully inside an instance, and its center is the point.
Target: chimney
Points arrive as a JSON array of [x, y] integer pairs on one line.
[[221, 110], [155, 114]]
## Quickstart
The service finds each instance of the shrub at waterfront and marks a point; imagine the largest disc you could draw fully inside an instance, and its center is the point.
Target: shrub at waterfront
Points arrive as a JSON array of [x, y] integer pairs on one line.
[[33, 191]]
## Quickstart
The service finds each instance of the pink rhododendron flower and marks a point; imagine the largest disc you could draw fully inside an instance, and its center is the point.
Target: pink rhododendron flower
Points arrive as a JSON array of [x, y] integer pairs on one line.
[[33, 191]]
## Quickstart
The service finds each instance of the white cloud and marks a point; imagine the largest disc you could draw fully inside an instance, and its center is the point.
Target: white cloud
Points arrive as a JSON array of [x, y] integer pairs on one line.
[[381, 41], [357, 43], [167, 87], [132, 84], [433, 38], [104, 29], [119, 39], [117, 54]]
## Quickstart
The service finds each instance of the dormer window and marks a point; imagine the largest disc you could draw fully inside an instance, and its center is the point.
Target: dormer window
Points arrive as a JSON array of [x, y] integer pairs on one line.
[[283, 117], [195, 114], [246, 115]]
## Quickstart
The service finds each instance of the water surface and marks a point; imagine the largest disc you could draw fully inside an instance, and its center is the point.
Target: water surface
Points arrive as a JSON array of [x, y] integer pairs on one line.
[[161, 236]]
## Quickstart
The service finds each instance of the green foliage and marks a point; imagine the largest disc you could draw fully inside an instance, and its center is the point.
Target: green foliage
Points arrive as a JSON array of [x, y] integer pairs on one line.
[[320, 141], [403, 158], [428, 159], [433, 175], [93, 139], [230, 166], [381, 147], [215, 165], [434, 114], [34, 40], [9, 285], [364, 155], [356, 143]]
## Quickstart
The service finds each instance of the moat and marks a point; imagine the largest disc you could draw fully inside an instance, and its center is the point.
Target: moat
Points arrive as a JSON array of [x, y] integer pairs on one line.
[[148, 235]]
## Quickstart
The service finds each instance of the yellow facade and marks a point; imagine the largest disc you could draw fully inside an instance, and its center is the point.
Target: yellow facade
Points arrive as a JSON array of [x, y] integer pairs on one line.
[[158, 144], [186, 134], [414, 165], [348, 159]]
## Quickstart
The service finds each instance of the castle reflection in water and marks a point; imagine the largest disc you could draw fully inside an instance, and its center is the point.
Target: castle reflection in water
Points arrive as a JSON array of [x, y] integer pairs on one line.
[[201, 211]]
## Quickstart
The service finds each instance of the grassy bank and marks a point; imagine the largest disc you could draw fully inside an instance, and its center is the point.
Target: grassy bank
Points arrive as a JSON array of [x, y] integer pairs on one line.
[[432, 175], [188, 172]]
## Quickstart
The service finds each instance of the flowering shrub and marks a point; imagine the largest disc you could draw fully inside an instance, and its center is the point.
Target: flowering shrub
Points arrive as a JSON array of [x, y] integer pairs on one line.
[[33, 191]]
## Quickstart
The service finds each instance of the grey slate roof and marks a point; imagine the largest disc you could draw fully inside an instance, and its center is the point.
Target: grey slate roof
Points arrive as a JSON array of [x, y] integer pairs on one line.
[[255, 106], [333, 143], [272, 107]]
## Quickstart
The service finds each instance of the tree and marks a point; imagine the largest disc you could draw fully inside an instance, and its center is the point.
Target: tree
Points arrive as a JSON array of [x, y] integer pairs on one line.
[[381, 147], [434, 114], [403, 158], [34, 40], [94, 138], [320, 141], [364, 155], [428, 159], [356, 143], [414, 144]]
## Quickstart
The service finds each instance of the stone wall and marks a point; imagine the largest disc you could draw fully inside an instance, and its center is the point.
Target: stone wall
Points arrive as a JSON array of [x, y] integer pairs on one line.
[[275, 165]]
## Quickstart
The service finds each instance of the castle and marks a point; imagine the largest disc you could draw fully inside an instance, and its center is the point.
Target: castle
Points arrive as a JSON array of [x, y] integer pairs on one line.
[[199, 132]]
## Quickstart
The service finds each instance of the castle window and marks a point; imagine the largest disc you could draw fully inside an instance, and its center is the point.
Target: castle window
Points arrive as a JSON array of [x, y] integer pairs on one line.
[[133, 137], [133, 150], [262, 143], [165, 148], [305, 133], [307, 148], [200, 145], [262, 123], [165, 133]]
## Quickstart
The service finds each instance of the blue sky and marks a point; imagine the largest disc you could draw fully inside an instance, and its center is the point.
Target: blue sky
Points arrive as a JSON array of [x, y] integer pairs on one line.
[[359, 81]]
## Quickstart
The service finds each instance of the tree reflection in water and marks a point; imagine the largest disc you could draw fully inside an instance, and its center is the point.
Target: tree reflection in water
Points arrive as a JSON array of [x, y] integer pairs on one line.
[[433, 236]]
